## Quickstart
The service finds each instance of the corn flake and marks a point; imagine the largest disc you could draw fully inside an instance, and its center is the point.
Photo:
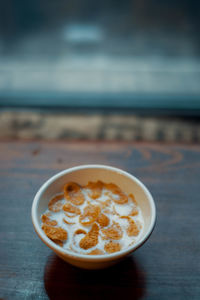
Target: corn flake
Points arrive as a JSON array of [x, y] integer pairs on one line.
[[55, 204], [73, 193], [95, 189], [91, 238], [122, 199], [55, 233], [132, 229], [112, 247], [114, 232], [46, 220], [90, 214], [103, 220]]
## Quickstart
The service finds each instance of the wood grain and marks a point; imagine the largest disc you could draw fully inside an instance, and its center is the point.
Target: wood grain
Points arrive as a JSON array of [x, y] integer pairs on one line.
[[167, 266]]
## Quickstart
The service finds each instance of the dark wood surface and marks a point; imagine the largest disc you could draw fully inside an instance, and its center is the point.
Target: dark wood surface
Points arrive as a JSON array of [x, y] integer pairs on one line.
[[167, 266]]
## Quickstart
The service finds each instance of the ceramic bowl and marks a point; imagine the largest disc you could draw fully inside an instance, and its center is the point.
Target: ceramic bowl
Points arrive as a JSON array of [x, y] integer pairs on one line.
[[82, 174]]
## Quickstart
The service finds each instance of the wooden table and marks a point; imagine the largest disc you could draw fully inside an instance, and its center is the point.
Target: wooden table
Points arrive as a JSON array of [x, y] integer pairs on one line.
[[167, 266]]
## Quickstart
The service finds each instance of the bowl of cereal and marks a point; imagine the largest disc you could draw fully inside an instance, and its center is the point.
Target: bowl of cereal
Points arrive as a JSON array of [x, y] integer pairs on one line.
[[92, 216]]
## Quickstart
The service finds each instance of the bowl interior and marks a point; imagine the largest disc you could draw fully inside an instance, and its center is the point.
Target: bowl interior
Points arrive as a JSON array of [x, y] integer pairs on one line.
[[126, 182]]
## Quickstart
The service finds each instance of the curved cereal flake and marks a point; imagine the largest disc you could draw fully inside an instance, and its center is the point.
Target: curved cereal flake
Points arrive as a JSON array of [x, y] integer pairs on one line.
[[123, 199], [80, 231], [91, 238], [60, 243], [96, 252], [67, 222], [46, 220], [134, 212], [55, 233], [103, 220], [105, 204], [95, 189], [112, 247], [68, 207], [132, 197], [132, 229], [114, 232], [90, 214], [55, 204], [73, 193]]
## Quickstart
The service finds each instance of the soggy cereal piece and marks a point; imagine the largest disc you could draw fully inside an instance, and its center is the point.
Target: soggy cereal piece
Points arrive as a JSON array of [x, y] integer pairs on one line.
[[95, 189], [91, 238], [55, 204], [96, 252], [67, 222], [105, 204], [90, 214], [55, 233], [132, 197], [112, 247], [73, 193], [132, 229], [46, 220], [69, 208], [60, 243], [114, 232], [103, 220], [122, 198], [80, 231], [134, 212]]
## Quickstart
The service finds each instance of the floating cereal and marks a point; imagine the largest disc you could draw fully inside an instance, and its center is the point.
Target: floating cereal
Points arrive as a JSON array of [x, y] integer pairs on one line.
[[55, 204], [60, 243], [80, 231], [114, 232], [67, 222], [91, 238], [103, 220], [112, 247], [90, 214], [132, 229], [134, 212], [73, 193], [55, 233], [48, 221], [132, 197], [120, 198], [96, 189], [71, 210], [96, 252]]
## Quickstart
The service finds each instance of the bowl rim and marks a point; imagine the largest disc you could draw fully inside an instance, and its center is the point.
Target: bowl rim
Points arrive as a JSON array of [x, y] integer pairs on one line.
[[86, 257]]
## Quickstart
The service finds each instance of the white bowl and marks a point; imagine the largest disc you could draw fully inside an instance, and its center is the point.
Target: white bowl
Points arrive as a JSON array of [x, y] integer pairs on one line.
[[83, 174]]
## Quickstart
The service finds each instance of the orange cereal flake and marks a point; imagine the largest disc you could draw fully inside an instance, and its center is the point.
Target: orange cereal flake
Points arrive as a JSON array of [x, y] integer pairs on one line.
[[96, 252], [67, 222], [80, 231], [73, 193], [60, 243], [103, 220], [46, 220], [55, 233], [114, 232], [132, 229], [68, 207], [112, 247], [91, 238], [90, 214], [55, 204], [95, 189], [134, 212], [132, 197], [123, 199]]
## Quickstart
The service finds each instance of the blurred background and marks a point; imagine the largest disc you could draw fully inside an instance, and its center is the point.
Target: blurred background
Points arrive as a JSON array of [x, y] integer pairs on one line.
[[100, 70]]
